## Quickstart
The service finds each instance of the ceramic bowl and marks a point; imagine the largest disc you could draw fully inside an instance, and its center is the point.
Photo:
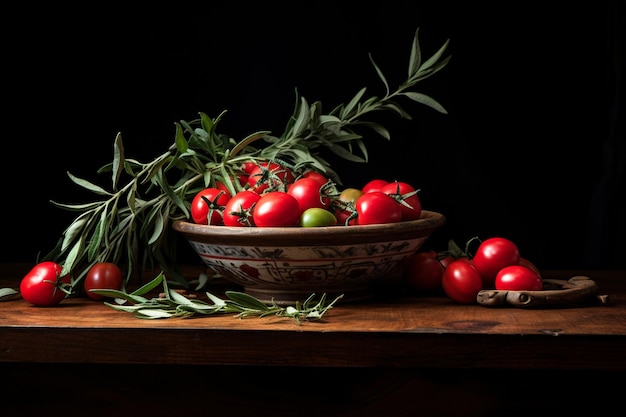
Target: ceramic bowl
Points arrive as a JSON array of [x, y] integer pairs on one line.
[[288, 264]]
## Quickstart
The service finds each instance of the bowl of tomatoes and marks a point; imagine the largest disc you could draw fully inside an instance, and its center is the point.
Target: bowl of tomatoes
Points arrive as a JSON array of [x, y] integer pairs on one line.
[[288, 264]]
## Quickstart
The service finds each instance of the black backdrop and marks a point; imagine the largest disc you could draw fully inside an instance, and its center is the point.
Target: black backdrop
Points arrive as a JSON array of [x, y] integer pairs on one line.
[[532, 147]]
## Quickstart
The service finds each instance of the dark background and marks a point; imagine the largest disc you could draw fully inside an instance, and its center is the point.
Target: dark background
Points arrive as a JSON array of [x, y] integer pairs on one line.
[[532, 147]]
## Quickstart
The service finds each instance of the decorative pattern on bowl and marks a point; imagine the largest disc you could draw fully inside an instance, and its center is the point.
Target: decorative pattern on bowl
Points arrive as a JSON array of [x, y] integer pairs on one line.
[[285, 265]]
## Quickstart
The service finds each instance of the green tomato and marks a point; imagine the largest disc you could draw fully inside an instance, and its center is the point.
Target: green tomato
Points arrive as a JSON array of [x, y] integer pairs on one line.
[[316, 217]]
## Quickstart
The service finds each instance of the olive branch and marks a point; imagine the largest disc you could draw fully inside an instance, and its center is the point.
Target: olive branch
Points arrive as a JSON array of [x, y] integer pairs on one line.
[[173, 304], [130, 224]]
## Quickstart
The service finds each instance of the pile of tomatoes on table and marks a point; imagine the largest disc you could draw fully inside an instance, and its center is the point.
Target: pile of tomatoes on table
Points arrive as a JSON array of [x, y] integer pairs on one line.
[[45, 286], [461, 275], [273, 196]]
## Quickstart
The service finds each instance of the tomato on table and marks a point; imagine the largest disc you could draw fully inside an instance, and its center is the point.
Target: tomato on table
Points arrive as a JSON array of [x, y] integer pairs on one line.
[[43, 285], [492, 255], [530, 265], [461, 281], [518, 278], [102, 276], [423, 272]]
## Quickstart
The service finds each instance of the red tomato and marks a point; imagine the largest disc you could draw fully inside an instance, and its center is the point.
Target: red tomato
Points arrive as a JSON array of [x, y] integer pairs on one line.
[[374, 185], [276, 209], [44, 286], [207, 206], [248, 166], [492, 255], [406, 195], [445, 260], [269, 176], [377, 207], [528, 264], [102, 276], [461, 281], [308, 192], [518, 278], [423, 272], [240, 208], [318, 176]]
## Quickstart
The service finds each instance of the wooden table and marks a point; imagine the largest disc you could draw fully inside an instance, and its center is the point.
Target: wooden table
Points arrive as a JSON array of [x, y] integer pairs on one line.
[[397, 351]]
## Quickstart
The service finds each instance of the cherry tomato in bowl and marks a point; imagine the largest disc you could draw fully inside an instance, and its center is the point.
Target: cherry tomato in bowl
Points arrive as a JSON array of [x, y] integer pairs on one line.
[[308, 192], [407, 197], [238, 211], [207, 206], [317, 217], [377, 207], [276, 209], [374, 185]]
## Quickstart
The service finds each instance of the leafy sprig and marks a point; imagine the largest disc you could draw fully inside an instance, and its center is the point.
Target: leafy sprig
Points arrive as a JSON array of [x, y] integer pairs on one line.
[[129, 224], [174, 304]]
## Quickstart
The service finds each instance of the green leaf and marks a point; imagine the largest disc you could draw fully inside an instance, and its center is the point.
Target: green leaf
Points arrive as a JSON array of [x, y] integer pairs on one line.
[[4, 292], [303, 118], [380, 74], [436, 57], [153, 314], [415, 59], [72, 256], [216, 300], [179, 139], [247, 141], [118, 161], [246, 300], [88, 185], [149, 286], [136, 299], [347, 110], [178, 298], [159, 225], [378, 128], [424, 99]]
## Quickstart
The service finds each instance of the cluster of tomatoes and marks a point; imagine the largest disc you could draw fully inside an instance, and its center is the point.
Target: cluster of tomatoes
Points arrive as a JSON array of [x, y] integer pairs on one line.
[[273, 195], [496, 264], [45, 286]]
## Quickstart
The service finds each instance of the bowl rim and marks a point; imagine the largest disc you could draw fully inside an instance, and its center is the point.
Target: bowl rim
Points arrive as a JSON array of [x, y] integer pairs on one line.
[[289, 236]]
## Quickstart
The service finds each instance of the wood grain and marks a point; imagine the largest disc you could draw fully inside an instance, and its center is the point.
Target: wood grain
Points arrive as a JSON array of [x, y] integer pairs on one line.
[[392, 330]]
